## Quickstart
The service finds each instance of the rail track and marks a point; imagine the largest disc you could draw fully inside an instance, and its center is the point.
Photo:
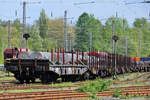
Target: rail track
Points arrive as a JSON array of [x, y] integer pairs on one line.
[[41, 86], [1, 76], [131, 90], [140, 90], [134, 79], [21, 87], [10, 86]]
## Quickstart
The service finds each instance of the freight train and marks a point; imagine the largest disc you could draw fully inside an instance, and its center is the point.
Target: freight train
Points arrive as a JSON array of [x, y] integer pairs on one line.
[[48, 66]]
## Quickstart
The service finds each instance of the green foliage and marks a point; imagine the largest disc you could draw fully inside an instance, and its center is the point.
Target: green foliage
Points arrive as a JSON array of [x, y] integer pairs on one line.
[[92, 95], [49, 33], [133, 96], [66, 84], [117, 93], [95, 86], [43, 24], [86, 25], [56, 32], [140, 22], [92, 87], [148, 96], [17, 24], [35, 41], [81, 33]]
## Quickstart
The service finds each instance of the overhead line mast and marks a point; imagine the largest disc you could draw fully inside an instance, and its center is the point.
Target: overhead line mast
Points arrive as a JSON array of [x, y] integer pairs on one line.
[[24, 21], [9, 34], [65, 31]]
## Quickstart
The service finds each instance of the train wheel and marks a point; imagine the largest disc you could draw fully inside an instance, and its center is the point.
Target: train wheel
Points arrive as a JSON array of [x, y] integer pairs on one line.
[[101, 74], [44, 81], [21, 81], [33, 80], [44, 78], [86, 76], [27, 81], [63, 79]]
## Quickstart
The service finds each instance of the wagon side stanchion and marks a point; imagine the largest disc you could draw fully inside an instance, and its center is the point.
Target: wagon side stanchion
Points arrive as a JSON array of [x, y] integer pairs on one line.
[[63, 56], [51, 55], [72, 56], [58, 55], [77, 57]]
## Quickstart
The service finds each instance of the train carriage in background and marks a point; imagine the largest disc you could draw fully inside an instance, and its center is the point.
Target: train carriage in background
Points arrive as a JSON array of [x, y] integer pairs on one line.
[[145, 63], [13, 52], [47, 66], [69, 66]]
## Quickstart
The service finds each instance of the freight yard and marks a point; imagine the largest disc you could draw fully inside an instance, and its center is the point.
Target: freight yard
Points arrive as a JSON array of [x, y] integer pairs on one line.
[[126, 86], [74, 50]]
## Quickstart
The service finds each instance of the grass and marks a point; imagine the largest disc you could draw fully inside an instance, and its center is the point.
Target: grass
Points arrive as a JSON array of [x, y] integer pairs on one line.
[[24, 90], [65, 84], [7, 78], [117, 92], [133, 96], [128, 76], [135, 81], [92, 87], [95, 86], [5, 73]]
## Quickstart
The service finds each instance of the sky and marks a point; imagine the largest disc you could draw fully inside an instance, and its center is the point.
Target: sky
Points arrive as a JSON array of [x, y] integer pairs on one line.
[[101, 9]]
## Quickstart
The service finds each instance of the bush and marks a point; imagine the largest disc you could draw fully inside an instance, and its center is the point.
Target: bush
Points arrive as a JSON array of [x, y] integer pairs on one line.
[[116, 93], [93, 87]]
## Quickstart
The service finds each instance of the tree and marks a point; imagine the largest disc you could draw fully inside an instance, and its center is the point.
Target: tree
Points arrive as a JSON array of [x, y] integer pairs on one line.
[[143, 26], [43, 24], [81, 33], [56, 32], [94, 28], [47, 44], [35, 41], [86, 25], [119, 25], [17, 24], [3, 41], [139, 23]]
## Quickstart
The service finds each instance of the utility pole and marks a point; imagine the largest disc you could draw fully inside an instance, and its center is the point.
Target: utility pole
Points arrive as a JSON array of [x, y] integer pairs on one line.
[[115, 38], [116, 14], [24, 17], [70, 40], [9, 37], [139, 46], [91, 35], [22, 44], [126, 39], [24, 24], [113, 29], [9, 33], [113, 35], [65, 31], [126, 43]]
